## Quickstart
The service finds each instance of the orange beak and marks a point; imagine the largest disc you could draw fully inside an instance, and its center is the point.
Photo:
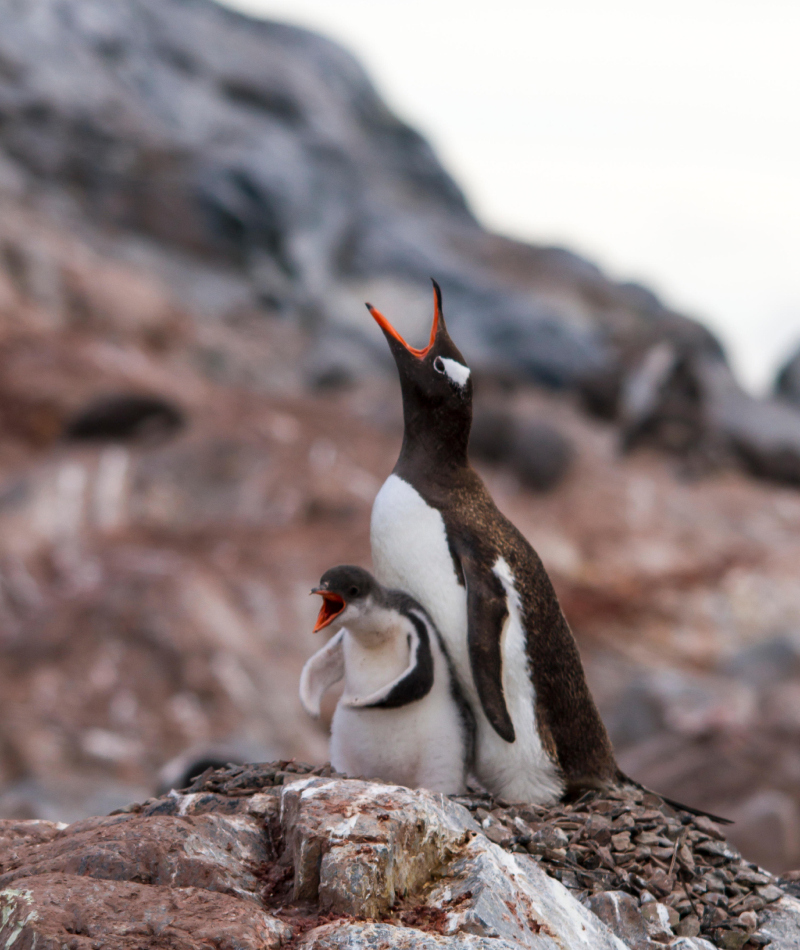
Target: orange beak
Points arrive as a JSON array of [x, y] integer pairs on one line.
[[332, 606], [384, 324]]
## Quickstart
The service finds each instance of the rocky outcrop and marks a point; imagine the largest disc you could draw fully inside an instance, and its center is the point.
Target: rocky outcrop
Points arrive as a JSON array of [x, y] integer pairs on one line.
[[266, 856], [316, 862], [266, 147], [688, 403], [787, 380]]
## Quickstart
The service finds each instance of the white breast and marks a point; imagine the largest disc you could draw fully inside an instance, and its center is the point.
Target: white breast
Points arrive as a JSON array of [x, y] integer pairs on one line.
[[410, 552]]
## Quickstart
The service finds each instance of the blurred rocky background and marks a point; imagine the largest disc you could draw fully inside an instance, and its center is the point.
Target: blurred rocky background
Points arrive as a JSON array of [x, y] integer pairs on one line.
[[196, 412]]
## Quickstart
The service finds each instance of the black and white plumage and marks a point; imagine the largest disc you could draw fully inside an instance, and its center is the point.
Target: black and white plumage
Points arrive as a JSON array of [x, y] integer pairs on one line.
[[401, 716], [437, 534]]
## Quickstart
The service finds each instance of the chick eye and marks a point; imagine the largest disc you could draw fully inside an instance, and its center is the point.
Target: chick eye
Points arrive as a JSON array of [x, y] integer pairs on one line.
[[353, 591], [438, 365]]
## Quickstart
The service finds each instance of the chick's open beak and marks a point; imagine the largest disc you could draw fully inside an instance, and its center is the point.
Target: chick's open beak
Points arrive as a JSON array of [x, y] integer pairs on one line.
[[332, 606]]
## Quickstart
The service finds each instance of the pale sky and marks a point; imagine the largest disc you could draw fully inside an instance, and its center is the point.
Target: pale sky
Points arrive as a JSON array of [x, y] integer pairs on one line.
[[660, 140]]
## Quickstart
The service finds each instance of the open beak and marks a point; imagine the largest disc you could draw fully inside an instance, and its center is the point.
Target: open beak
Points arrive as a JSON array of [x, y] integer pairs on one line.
[[332, 606], [387, 328]]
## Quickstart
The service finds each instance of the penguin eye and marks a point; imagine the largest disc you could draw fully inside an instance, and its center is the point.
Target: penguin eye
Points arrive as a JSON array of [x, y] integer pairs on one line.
[[438, 365]]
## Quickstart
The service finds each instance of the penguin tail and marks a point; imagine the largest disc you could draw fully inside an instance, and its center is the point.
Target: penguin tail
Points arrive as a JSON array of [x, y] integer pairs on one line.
[[670, 801]]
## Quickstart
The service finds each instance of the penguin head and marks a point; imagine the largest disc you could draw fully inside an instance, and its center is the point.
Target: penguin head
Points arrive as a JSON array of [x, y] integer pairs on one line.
[[435, 381], [346, 593]]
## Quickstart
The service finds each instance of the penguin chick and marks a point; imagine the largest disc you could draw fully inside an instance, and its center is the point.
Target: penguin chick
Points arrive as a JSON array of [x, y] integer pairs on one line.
[[401, 717]]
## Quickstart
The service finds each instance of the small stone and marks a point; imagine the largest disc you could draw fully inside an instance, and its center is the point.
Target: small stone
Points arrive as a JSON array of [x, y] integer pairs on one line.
[[659, 920], [732, 939], [760, 940], [622, 841], [647, 838], [713, 848], [709, 827], [649, 800], [713, 883], [748, 920], [748, 876], [620, 913], [686, 858], [661, 882], [769, 893], [663, 854], [715, 899], [498, 834], [606, 860], [598, 827], [691, 943], [753, 902], [548, 839], [689, 926]]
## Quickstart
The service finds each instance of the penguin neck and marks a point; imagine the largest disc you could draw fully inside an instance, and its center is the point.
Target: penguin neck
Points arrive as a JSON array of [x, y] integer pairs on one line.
[[435, 443]]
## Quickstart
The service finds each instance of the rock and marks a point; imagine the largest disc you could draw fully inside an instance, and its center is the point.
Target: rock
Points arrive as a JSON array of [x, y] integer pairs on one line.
[[748, 920], [345, 935], [659, 920], [691, 943], [732, 939], [689, 926], [218, 853], [265, 147], [765, 663], [358, 854], [46, 910], [621, 914], [780, 923], [541, 455], [124, 417], [787, 381], [270, 863], [538, 453], [764, 433]]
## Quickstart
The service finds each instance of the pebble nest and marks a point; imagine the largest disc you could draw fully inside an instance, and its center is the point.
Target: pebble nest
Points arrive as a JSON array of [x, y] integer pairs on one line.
[[622, 840]]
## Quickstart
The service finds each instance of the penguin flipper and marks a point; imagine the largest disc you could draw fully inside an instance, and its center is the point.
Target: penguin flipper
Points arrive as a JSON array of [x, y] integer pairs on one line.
[[321, 671], [415, 682], [486, 615]]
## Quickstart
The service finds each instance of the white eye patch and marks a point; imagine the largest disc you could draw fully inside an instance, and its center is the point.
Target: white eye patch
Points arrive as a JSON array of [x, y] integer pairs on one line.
[[455, 371]]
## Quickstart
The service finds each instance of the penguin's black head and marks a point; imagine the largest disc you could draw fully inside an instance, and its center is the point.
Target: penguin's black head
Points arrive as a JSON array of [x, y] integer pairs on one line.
[[339, 588], [436, 384]]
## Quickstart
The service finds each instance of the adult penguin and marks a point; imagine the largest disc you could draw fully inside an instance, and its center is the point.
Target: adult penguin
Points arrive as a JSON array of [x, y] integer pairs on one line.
[[437, 534]]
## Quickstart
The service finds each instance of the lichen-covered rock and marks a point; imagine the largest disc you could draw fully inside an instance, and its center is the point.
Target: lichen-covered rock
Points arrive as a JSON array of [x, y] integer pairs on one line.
[[216, 852], [51, 911], [359, 847], [252, 863], [255, 857], [781, 923], [347, 935], [494, 894]]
